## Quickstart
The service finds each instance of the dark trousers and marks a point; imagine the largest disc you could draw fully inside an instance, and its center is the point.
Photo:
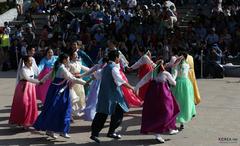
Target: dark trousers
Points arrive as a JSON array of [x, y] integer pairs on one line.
[[100, 119]]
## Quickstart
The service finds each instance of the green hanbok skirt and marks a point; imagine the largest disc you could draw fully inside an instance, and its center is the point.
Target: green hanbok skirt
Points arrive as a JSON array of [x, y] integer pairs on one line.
[[184, 93]]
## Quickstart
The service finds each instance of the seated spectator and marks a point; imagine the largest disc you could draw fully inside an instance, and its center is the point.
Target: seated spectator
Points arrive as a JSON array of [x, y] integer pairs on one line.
[[212, 37]]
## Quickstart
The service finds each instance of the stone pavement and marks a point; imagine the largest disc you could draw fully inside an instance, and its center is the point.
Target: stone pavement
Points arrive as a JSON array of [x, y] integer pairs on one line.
[[217, 122]]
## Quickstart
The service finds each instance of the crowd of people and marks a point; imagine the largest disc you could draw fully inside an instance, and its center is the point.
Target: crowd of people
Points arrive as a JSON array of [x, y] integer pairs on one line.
[[134, 25], [76, 65]]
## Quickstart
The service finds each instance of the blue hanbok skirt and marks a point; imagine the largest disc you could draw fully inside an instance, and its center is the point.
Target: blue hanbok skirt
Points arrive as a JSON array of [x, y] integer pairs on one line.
[[56, 113]]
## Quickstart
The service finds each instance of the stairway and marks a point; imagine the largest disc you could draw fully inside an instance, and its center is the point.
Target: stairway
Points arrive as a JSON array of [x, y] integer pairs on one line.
[[186, 14], [40, 21]]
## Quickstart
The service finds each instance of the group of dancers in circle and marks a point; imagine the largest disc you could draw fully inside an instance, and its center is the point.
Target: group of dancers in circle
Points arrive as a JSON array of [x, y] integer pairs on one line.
[[68, 87]]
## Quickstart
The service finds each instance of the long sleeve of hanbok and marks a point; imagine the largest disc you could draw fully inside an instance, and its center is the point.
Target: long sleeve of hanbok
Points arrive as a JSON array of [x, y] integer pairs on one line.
[[147, 60], [67, 75], [123, 59], [137, 64], [170, 64], [27, 75], [19, 70], [117, 76], [35, 67], [170, 78], [84, 68], [174, 73], [143, 60], [90, 71], [41, 65], [98, 74], [144, 80]]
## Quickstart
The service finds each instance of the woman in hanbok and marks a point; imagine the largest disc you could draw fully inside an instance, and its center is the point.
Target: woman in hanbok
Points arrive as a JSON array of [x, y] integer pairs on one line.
[[92, 96], [24, 110], [30, 53], [160, 108], [174, 57], [77, 92], [56, 112], [145, 65], [85, 59], [130, 97], [183, 91], [192, 77], [44, 67]]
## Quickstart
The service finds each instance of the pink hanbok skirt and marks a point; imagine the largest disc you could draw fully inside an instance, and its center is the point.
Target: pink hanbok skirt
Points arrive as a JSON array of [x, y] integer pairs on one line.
[[42, 89], [24, 110]]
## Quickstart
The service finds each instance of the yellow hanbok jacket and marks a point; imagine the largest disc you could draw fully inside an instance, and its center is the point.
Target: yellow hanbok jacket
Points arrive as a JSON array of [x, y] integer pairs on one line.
[[191, 75]]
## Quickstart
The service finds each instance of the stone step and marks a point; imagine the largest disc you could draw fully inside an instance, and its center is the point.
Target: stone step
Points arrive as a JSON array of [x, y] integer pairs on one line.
[[41, 23], [40, 16], [16, 22], [22, 17], [183, 27]]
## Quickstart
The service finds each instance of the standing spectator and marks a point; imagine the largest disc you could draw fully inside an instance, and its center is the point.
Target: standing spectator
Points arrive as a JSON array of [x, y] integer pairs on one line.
[[30, 36], [5, 39], [19, 4], [214, 65]]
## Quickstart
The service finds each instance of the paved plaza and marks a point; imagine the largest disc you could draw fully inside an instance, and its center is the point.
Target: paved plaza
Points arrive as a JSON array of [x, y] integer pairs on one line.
[[217, 122]]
